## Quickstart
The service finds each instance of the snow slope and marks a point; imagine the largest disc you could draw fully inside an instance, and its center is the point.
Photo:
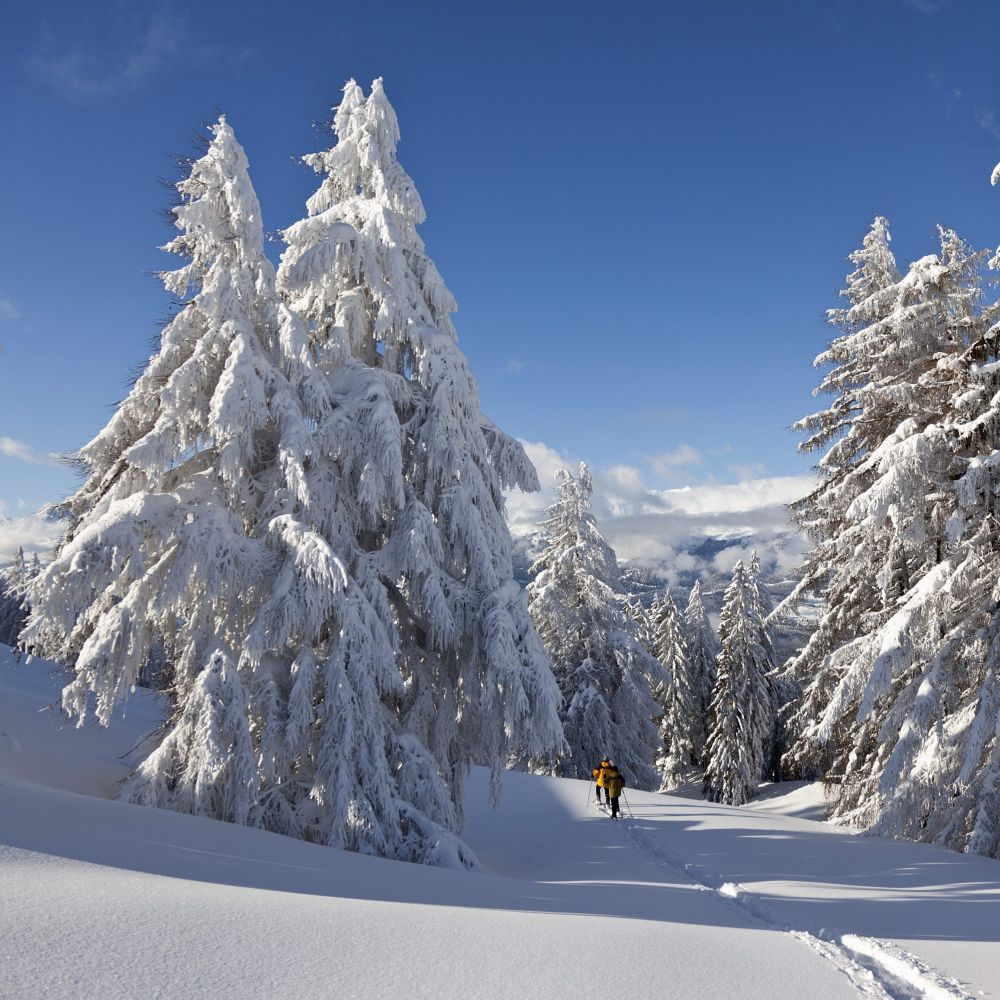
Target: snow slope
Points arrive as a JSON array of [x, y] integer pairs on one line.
[[688, 900]]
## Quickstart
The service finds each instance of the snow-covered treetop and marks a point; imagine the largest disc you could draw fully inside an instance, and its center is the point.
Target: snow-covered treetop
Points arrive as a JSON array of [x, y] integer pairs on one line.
[[206, 386], [357, 272], [369, 201], [875, 268], [577, 581]]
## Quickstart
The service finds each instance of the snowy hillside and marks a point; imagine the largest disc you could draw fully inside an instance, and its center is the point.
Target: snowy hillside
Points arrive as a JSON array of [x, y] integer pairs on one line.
[[686, 900]]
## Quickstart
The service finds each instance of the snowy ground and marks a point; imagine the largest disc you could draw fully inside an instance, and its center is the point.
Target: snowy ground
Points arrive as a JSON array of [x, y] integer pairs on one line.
[[688, 900]]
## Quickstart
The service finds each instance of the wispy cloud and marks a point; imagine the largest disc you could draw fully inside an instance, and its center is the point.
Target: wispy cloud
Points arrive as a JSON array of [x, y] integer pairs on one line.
[[927, 7], [137, 42], [13, 448], [513, 367], [81, 72], [157, 47], [8, 311], [667, 463], [985, 117], [747, 470]]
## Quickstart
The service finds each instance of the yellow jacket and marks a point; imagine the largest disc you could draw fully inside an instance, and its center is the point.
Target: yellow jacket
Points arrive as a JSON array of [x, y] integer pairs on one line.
[[601, 773]]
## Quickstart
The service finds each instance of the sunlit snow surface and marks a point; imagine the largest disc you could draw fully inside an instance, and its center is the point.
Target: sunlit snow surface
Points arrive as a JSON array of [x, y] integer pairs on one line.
[[687, 900]]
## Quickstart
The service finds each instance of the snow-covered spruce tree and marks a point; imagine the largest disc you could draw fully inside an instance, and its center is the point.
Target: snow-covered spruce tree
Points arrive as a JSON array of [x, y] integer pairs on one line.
[[420, 471], [13, 597], [740, 714], [703, 649], [895, 371], [681, 725], [577, 605], [763, 608], [922, 690], [218, 518]]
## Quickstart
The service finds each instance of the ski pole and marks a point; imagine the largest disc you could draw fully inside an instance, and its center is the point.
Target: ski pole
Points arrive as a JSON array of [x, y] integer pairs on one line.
[[628, 805]]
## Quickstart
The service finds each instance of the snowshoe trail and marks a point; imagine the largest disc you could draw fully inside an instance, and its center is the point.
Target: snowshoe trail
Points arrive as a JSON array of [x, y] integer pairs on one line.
[[876, 969]]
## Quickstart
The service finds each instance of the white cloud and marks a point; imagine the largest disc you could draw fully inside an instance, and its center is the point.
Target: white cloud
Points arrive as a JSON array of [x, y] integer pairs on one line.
[[656, 527], [13, 448], [628, 477], [724, 561], [667, 463], [513, 367], [33, 532], [714, 499]]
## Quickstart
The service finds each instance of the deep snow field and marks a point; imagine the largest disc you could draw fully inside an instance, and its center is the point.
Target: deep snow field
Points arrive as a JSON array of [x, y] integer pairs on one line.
[[686, 900]]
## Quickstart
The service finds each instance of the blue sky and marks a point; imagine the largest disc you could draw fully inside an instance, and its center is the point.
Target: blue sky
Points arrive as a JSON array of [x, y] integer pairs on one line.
[[643, 209]]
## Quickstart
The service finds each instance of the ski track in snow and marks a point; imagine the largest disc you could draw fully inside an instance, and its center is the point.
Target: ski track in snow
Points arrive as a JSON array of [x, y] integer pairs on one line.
[[877, 969]]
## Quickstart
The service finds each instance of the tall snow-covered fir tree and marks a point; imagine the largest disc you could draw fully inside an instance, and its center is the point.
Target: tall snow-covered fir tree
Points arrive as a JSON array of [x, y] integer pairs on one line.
[[247, 507], [909, 718], [681, 726], [702, 649], [422, 471], [922, 758], [740, 713], [578, 605], [894, 372]]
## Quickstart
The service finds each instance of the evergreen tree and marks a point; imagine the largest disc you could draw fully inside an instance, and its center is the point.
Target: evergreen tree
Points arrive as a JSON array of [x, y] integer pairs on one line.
[[882, 477], [681, 726], [577, 605], [14, 597], [741, 708], [908, 717], [249, 508], [422, 471], [920, 688], [703, 649]]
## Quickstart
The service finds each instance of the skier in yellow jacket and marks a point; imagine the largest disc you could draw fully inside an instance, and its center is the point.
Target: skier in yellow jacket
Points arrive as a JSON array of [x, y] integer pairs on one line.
[[614, 783], [600, 773]]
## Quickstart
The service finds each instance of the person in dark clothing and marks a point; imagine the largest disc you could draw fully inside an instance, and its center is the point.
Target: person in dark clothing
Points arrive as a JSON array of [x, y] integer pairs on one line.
[[614, 783]]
